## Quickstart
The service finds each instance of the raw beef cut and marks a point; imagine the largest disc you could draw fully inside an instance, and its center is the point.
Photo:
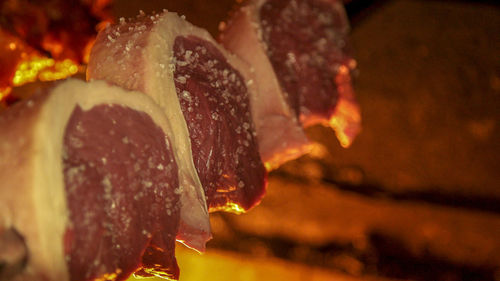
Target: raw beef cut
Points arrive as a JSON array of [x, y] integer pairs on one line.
[[89, 185], [300, 53], [204, 91], [281, 138], [120, 183]]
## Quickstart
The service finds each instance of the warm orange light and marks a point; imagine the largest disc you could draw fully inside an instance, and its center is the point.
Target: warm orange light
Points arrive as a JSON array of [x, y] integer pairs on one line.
[[217, 265], [346, 119], [318, 151], [29, 65], [4, 92], [27, 70], [36, 67], [230, 208], [52, 45], [342, 122], [109, 276], [154, 272], [290, 154], [61, 70], [103, 24], [86, 51], [56, 49]]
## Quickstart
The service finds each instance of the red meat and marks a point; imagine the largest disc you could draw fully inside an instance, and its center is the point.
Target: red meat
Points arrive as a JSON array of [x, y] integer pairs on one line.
[[202, 88], [300, 49], [90, 185]]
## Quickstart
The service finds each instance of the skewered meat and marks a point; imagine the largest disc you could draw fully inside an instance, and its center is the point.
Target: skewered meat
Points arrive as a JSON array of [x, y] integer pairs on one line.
[[300, 53], [90, 185], [280, 135], [202, 88], [146, 180]]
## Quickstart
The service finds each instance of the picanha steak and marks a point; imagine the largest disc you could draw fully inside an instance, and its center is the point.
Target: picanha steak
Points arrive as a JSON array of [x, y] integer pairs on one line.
[[99, 182], [300, 52], [204, 91], [90, 185]]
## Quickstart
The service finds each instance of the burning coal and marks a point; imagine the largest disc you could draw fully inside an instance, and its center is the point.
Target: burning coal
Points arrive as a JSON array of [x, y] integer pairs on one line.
[[46, 40]]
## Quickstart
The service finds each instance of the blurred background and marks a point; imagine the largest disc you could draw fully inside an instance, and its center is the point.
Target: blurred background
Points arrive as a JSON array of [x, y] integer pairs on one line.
[[416, 196]]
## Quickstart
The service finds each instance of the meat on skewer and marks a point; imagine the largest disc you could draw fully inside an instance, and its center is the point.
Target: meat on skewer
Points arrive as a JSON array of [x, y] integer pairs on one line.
[[108, 171], [300, 54], [89, 185], [204, 91]]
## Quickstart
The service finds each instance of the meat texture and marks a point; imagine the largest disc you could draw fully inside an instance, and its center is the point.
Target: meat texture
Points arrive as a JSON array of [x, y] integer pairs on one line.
[[89, 186], [134, 55], [300, 54], [204, 91]]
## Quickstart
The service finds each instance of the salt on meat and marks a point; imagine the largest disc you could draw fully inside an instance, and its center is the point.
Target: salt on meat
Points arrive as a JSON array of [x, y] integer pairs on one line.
[[205, 93], [300, 53], [89, 186]]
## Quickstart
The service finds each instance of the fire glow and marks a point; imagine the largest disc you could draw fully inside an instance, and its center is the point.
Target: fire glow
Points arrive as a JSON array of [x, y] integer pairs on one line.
[[347, 116], [32, 66], [40, 42]]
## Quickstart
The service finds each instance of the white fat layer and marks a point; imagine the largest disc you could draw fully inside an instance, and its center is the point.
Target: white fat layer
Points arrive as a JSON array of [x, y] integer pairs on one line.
[[150, 56], [162, 89], [270, 110], [34, 201]]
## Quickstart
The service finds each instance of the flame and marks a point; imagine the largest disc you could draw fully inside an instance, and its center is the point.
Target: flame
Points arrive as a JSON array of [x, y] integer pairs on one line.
[[229, 207], [36, 67], [109, 276], [155, 273], [33, 67], [346, 119], [59, 49], [318, 150], [287, 155], [86, 50], [4, 92]]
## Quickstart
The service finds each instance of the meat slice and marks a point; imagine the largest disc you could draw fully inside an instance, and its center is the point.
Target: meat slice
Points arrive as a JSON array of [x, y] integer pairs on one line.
[[135, 56], [281, 138], [121, 182], [89, 185], [204, 91], [214, 99], [300, 53]]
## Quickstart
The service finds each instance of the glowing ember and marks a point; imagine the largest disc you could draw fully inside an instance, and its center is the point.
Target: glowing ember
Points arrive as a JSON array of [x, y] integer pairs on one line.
[[230, 208], [346, 119], [46, 42], [33, 66], [110, 276], [43, 69], [4, 92], [280, 158]]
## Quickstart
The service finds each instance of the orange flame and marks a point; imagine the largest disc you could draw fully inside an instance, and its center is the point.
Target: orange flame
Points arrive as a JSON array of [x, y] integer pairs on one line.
[[229, 208], [346, 119], [35, 67], [58, 53], [290, 154]]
